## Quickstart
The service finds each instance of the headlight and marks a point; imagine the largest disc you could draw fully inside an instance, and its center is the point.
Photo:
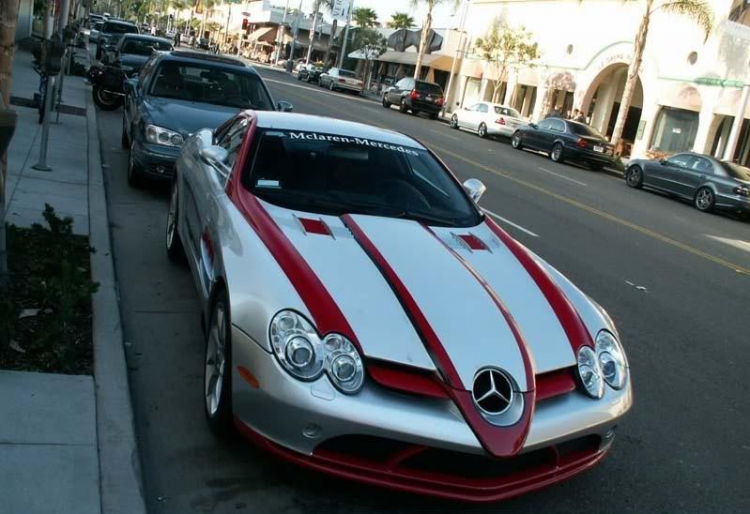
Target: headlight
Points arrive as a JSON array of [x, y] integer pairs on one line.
[[590, 372], [301, 352], [611, 359], [162, 136]]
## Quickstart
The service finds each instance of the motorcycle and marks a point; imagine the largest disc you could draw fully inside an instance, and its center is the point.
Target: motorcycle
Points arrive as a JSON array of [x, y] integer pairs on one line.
[[107, 82]]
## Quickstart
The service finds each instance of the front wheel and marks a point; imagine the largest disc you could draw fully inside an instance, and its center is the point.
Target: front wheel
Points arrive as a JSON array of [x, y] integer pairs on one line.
[[217, 383], [330, 86], [402, 107], [557, 153], [454, 122], [634, 177], [175, 250], [515, 141], [104, 100], [705, 199], [386, 103], [482, 132]]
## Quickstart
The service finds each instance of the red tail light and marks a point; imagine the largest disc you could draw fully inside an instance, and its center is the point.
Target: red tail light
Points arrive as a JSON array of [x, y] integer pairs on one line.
[[413, 95], [500, 121], [342, 81], [582, 143], [440, 100]]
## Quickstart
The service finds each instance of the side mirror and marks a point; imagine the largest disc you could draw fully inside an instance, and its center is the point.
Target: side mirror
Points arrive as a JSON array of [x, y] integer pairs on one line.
[[215, 156], [475, 188], [663, 162], [284, 106]]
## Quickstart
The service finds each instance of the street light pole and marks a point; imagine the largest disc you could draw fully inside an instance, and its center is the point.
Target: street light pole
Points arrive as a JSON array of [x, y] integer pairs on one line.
[[280, 34], [448, 106], [346, 34]]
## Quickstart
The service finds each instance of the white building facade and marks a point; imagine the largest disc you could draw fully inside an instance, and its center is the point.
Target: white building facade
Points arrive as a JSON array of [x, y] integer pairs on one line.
[[689, 87]]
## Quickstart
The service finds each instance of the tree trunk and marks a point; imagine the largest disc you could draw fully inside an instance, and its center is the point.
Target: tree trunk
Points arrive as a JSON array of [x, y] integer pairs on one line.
[[330, 41], [423, 43], [312, 34], [8, 19], [632, 79]]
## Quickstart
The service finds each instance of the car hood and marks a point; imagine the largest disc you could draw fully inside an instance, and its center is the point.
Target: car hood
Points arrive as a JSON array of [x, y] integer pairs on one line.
[[186, 117], [481, 302]]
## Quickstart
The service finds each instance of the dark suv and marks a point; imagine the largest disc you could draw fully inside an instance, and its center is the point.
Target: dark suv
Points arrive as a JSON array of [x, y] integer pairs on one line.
[[415, 96]]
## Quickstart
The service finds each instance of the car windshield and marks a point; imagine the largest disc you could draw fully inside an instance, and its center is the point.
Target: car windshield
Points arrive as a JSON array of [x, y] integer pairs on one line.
[[119, 28], [347, 74], [430, 89], [337, 174], [207, 84], [144, 46], [736, 171], [580, 129], [507, 111]]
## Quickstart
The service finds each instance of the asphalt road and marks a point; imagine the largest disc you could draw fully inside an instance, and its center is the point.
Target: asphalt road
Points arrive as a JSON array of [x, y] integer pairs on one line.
[[676, 282]]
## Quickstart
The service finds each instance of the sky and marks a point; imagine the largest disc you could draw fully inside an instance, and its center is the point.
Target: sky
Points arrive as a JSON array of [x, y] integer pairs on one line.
[[441, 15]]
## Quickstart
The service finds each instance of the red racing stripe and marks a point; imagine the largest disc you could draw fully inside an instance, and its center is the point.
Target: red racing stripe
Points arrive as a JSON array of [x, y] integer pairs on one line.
[[569, 318], [497, 441]]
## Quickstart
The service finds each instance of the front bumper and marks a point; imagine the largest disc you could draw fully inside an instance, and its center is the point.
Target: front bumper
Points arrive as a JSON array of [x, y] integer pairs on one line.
[[305, 422], [155, 161]]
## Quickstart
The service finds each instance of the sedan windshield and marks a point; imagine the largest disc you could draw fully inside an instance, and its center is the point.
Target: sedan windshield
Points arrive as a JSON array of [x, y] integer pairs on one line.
[[336, 174], [207, 84], [144, 46]]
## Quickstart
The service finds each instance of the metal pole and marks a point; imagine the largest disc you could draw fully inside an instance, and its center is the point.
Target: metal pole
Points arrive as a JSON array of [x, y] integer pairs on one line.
[[448, 106], [294, 39], [64, 14], [312, 37], [280, 34], [346, 34], [226, 29], [49, 93], [734, 135]]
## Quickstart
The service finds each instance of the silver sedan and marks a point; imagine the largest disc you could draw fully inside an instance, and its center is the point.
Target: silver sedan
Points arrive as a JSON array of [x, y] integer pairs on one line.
[[709, 183]]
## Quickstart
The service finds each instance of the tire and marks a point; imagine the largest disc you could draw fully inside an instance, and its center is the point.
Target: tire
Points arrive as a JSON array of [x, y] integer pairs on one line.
[[309, 79], [386, 103], [414, 112], [402, 107], [556, 154], [515, 141], [299, 77], [330, 86], [134, 173], [106, 101], [175, 250], [482, 131], [433, 116], [217, 374], [454, 122], [124, 141], [704, 199], [634, 177]]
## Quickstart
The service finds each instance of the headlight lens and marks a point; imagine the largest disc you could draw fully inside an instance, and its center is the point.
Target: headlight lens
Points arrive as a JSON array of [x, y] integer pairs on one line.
[[305, 356], [611, 359], [162, 136], [590, 372]]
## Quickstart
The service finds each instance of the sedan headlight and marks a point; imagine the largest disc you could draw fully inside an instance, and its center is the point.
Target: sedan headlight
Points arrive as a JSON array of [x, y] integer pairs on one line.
[[162, 136], [611, 359], [304, 355], [590, 372]]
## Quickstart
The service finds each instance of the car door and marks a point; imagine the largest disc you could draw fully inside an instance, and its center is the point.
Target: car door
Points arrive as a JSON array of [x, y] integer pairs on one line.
[[669, 174], [478, 115], [395, 94], [466, 116], [537, 135], [134, 97], [699, 170]]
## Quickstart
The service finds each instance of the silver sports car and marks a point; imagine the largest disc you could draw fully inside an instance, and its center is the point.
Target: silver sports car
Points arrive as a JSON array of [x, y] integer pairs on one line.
[[709, 183], [365, 319]]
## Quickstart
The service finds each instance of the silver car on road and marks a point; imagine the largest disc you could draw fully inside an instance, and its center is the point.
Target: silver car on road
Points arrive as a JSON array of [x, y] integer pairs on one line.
[[709, 183]]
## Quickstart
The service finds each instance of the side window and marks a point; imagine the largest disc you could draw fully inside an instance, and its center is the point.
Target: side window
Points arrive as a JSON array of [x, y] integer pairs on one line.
[[681, 160], [334, 72], [702, 165], [545, 124], [558, 126], [231, 140], [474, 108], [483, 108]]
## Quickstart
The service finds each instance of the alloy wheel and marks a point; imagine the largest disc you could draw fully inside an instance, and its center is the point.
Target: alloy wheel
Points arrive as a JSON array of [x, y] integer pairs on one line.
[[215, 360], [515, 141], [482, 130], [704, 199], [634, 177], [556, 154], [454, 121]]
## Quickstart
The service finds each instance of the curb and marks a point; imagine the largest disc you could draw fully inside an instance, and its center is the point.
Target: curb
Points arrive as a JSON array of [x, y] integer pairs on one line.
[[120, 480]]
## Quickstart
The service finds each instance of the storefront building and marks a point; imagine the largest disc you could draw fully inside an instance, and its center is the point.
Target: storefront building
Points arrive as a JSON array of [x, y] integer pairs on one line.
[[689, 87]]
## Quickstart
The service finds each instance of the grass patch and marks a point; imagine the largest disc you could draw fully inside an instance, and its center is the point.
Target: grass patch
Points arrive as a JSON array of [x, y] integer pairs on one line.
[[45, 321]]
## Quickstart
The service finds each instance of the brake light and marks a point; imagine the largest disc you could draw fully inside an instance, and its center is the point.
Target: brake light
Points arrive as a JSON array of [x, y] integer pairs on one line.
[[500, 121], [413, 95], [342, 81], [582, 143], [742, 191], [440, 100]]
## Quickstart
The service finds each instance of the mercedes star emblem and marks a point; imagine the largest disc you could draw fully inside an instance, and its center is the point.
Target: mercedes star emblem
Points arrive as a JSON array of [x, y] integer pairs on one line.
[[492, 391]]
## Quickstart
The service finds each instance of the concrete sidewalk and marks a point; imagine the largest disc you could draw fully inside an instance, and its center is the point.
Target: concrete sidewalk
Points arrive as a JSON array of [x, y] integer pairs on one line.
[[67, 443]]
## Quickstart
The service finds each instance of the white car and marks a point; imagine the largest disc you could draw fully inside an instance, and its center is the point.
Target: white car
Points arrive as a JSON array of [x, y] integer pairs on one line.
[[488, 119]]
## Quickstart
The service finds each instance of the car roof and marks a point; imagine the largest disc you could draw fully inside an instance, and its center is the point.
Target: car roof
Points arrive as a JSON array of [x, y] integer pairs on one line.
[[145, 37], [330, 126], [218, 60]]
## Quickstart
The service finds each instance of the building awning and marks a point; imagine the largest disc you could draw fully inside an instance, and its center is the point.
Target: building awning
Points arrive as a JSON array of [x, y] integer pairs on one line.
[[435, 61], [263, 34]]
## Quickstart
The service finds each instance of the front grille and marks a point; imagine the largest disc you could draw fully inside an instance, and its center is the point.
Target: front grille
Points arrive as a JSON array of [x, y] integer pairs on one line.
[[477, 466]]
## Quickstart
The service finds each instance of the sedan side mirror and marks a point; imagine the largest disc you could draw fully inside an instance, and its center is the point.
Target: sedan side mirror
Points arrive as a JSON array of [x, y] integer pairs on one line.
[[663, 162], [475, 188], [216, 156], [284, 106]]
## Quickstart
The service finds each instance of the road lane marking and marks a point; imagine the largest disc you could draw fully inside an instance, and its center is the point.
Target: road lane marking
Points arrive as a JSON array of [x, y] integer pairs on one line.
[[508, 222], [737, 243], [561, 176], [604, 215], [444, 135]]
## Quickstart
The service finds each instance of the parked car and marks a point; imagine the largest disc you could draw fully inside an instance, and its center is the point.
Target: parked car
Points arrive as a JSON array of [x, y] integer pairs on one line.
[[133, 50], [178, 93], [111, 33], [204, 43], [309, 73], [415, 96], [711, 184], [566, 140], [337, 79], [488, 119], [325, 217]]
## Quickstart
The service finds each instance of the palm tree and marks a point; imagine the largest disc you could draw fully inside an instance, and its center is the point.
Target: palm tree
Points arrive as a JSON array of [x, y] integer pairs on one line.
[[697, 10], [430, 4], [328, 4], [401, 20], [365, 17]]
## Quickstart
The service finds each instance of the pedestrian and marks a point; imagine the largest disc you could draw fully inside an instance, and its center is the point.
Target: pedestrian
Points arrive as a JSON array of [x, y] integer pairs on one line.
[[177, 38], [580, 117], [573, 115]]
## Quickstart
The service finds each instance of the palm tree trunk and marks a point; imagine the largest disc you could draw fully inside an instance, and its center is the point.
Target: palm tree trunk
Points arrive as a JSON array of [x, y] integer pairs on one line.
[[8, 17], [632, 79], [330, 41], [423, 43], [312, 33]]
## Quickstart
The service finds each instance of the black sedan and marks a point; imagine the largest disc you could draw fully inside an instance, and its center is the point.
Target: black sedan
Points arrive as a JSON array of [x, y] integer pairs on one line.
[[133, 50], [177, 94], [111, 33], [415, 96], [309, 73], [566, 140], [707, 182]]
